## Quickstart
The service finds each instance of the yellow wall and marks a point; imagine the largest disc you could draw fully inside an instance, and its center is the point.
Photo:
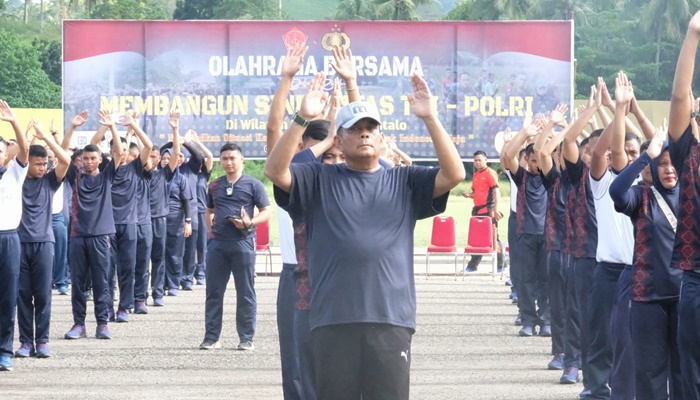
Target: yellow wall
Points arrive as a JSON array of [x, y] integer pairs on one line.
[[655, 111], [44, 115]]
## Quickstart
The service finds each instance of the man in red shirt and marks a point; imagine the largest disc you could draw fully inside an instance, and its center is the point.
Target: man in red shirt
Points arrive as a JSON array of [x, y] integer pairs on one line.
[[486, 199]]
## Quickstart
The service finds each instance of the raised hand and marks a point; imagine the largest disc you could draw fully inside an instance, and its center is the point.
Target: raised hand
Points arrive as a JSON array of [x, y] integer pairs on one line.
[[657, 142], [6, 113], [557, 115], [105, 118], [79, 119], [188, 135], [174, 120], [531, 130], [315, 98], [343, 64], [193, 136], [606, 100], [38, 130], [624, 93], [294, 59], [334, 104], [421, 100], [507, 135], [28, 132], [128, 119]]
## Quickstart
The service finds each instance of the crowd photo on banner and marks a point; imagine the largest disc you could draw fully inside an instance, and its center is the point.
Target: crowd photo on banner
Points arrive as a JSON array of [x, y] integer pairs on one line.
[[602, 233]]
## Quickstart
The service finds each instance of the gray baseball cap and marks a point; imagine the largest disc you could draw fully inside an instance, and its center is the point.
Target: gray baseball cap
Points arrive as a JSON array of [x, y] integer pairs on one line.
[[355, 111]]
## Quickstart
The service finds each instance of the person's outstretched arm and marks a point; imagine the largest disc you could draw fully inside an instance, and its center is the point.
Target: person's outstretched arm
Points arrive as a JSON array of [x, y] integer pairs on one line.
[[61, 155], [8, 115], [544, 149], [345, 67], [77, 121], [108, 123], [208, 156], [624, 93], [278, 162], [570, 147], [451, 168], [681, 106], [291, 65]]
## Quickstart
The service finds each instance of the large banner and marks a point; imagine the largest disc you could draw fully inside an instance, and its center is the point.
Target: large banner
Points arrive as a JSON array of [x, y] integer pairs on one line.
[[221, 75]]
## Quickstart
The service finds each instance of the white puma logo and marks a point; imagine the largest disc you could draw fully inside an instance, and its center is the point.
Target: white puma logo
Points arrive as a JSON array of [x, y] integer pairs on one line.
[[404, 354]]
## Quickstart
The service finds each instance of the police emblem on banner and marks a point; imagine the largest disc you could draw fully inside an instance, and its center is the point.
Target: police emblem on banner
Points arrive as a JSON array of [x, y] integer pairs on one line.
[[335, 38], [293, 37]]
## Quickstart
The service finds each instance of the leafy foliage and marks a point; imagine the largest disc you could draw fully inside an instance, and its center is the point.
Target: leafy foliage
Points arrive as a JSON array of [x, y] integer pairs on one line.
[[23, 83], [252, 168], [196, 9], [50, 55], [129, 9]]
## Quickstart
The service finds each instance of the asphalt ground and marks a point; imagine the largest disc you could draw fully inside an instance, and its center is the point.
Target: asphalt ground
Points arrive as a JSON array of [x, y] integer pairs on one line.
[[465, 347]]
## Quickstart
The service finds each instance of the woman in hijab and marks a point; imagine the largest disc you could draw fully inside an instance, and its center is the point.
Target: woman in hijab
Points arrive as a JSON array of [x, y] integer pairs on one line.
[[655, 285]]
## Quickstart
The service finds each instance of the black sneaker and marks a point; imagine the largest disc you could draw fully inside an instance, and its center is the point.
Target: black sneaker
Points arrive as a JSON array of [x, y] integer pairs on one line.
[[546, 331]]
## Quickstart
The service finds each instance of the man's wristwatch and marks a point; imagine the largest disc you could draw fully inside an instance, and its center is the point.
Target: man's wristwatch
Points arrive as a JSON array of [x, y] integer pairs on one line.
[[299, 120], [188, 220]]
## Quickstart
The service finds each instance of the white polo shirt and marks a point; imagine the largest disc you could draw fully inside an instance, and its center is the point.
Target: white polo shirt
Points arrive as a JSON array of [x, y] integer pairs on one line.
[[513, 192], [615, 230], [287, 248], [11, 196], [57, 205]]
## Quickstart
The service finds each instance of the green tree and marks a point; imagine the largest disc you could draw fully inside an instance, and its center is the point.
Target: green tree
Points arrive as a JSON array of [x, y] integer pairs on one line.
[[399, 10], [22, 81], [50, 56], [247, 9], [355, 10], [195, 9], [577, 10], [129, 9], [663, 19], [508, 9]]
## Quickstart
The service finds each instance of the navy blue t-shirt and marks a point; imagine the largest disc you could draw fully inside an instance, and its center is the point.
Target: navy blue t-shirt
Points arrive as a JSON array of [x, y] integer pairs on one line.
[[191, 177], [246, 192], [531, 202], [202, 182], [91, 205], [37, 198], [556, 184], [178, 190], [654, 278], [585, 224], [685, 155], [159, 186], [143, 199], [359, 229], [124, 190]]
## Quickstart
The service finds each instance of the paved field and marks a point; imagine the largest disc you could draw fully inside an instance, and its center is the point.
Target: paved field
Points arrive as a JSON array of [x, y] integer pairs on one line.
[[465, 348]]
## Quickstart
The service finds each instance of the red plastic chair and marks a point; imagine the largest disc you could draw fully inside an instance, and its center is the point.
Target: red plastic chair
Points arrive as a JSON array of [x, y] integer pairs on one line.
[[481, 241], [442, 241], [262, 242]]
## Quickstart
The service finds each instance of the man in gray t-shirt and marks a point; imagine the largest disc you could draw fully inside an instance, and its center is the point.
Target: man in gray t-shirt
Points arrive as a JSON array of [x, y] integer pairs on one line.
[[359, 220]]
